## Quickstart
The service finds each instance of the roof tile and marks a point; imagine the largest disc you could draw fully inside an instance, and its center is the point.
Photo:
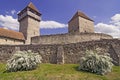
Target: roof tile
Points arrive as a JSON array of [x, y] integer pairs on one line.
[[30, 5], [11, 34], [81, 14]]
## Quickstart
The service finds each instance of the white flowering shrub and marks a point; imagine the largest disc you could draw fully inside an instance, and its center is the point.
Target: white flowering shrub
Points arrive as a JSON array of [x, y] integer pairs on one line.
[[23, 61], [99, 64]]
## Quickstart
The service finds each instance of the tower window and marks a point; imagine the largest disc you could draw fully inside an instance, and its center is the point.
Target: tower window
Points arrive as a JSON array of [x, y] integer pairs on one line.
[[14, 41], [6, 40], [34, 33]]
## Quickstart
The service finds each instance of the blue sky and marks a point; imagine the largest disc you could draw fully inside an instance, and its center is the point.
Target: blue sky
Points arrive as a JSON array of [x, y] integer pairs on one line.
[[57, 13]]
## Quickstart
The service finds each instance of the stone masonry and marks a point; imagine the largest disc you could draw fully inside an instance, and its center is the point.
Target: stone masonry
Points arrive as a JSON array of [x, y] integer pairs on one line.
[[65, 53], [29, 19]]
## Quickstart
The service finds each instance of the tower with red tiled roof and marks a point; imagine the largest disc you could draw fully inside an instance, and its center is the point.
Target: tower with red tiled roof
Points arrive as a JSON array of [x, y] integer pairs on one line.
[[29, 19], [80, 23]]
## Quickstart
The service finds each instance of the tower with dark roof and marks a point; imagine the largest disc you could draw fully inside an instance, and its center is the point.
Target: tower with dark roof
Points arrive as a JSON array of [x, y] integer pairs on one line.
[[29, 19], [80, 23]]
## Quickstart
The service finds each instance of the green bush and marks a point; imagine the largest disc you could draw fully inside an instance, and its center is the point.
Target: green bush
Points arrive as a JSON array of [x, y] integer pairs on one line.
[[23, 61], [99, 64]]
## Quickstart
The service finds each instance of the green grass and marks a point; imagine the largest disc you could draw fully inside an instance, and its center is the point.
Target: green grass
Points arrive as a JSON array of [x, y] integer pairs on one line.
[[57, 72]]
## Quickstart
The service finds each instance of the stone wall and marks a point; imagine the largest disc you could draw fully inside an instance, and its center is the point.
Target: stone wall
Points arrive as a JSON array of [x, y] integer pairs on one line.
[[73, 26], [10, 41], [80, 25], [68, 38], [86, 25], [73, 52], [66, 53]]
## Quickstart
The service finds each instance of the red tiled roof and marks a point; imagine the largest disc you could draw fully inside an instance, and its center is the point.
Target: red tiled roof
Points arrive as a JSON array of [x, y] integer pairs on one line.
[[30, 5], [81, 14], [11, 34]]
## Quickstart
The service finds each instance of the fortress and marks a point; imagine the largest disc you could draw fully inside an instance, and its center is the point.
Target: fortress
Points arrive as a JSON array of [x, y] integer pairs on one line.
[[80, 29], [57, 48]]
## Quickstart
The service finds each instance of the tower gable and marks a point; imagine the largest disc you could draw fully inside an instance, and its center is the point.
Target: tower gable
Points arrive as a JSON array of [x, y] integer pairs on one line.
[[80, 14], [30, 5], [31, 11], [80, 23]]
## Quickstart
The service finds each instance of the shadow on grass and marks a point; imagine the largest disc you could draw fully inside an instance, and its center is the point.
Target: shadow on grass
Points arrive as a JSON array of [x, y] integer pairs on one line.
[[78, 70], [17, 71], [6, 72]]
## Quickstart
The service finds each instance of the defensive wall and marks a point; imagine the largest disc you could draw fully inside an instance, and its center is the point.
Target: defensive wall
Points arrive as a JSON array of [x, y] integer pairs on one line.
[[5, 41], [68, 38], [65, 53]]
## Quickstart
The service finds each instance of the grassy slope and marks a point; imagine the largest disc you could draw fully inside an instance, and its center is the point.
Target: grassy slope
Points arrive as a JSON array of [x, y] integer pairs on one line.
[[57, 72]]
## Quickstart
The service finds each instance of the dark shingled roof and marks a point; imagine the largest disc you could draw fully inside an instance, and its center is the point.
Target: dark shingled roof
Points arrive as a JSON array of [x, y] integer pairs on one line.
[[11, 34], [30, 5], [81, 14]]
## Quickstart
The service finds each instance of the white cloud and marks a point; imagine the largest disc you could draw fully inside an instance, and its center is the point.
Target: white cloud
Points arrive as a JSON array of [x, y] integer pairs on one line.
[[13, 12], [108, 29], [113, 28], [116, 18], [9, 22], [52, 25]]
